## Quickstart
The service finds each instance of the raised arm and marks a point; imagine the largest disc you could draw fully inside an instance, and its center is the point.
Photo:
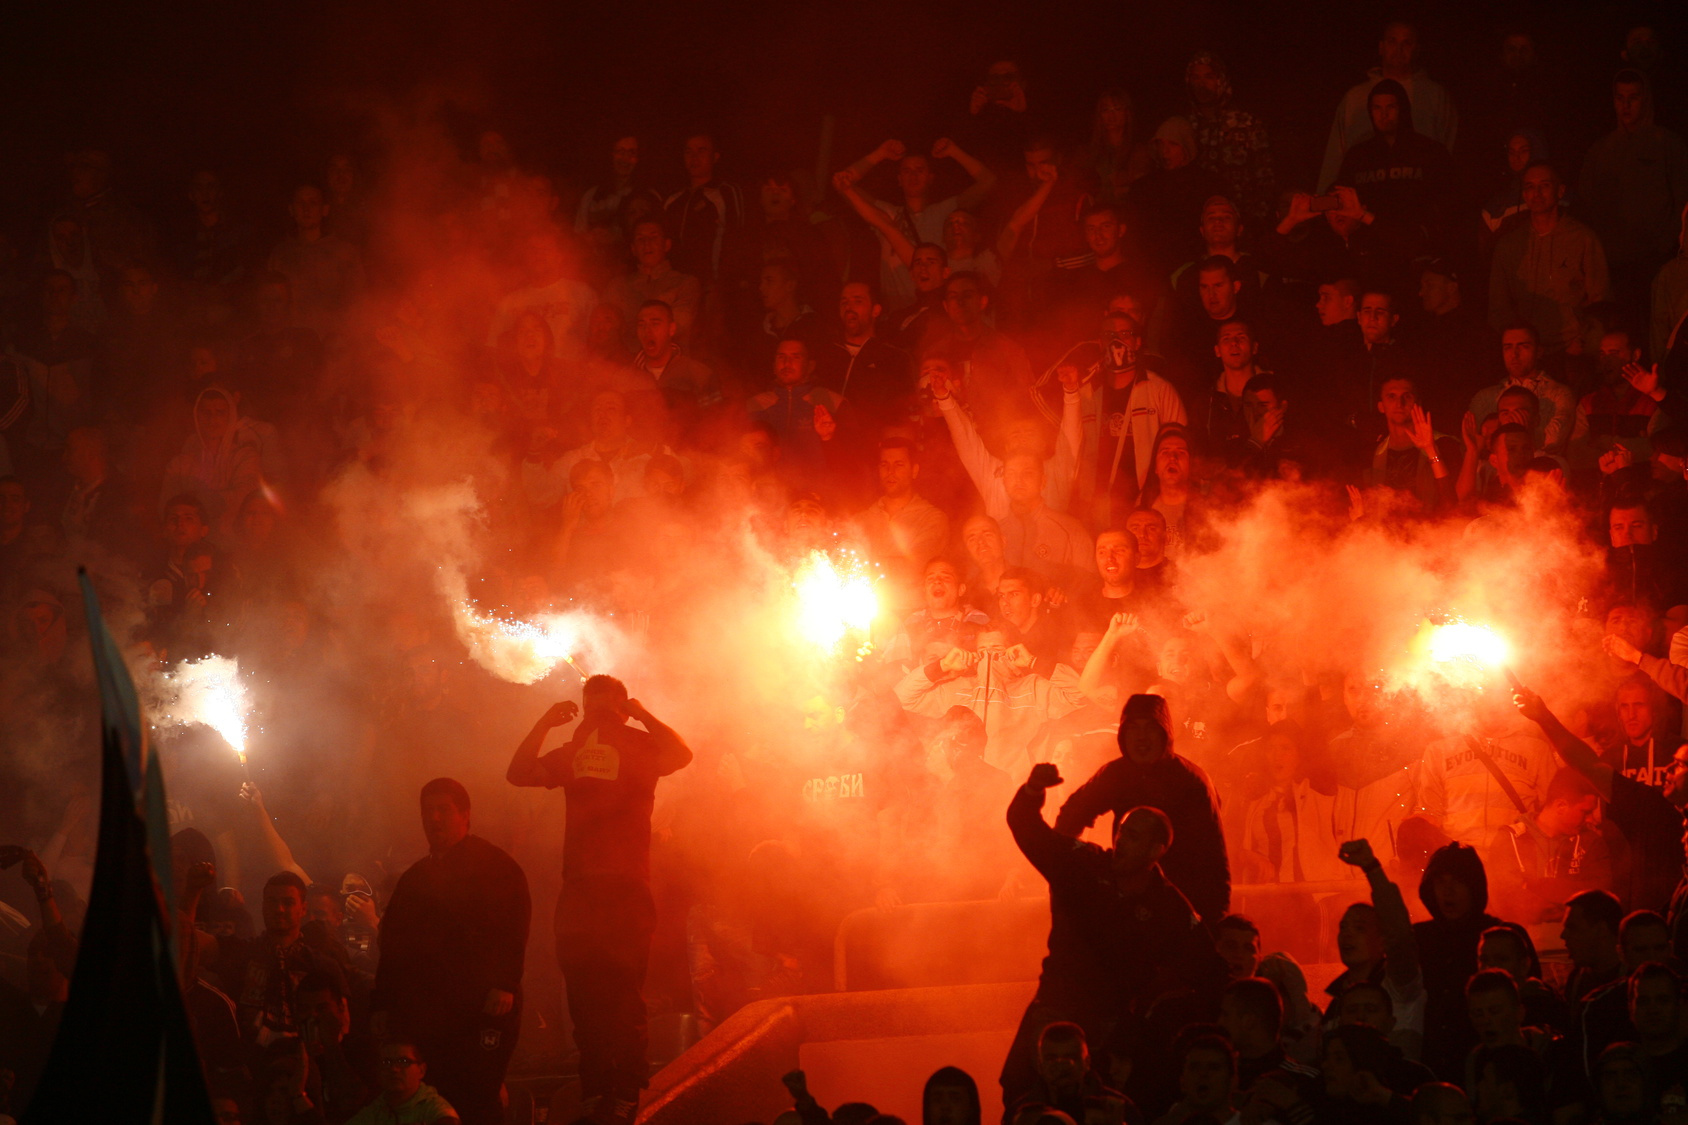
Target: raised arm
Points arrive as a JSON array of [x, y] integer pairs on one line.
[[1672, 678], [1239, 657], [672, 753], [970, 448], [1026, 212], [1063, 466], [281, 856], [1094, 681], [887, 150], [1400, 947], [525, 769], [895, 239], [983, 178], [1466, 486], [1575, 752], [1041, 844]]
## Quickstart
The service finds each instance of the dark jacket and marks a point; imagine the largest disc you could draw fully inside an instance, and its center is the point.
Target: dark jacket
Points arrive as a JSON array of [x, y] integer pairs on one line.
[[1447, 955], [1110, 951], [1196, 861], [876, 381], [456, 927]]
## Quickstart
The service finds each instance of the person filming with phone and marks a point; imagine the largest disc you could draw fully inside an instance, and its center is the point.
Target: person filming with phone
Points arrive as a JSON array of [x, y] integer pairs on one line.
[[605, 915]]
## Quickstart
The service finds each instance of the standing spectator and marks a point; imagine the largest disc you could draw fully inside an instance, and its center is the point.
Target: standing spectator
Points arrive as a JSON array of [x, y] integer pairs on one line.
[[1452, 339], [266, 994], [872, 374], [1128, 404], [998, 682], [1412, 458], [1547, 271], [1232, 142], [804, 415], [919, 218], [452, 943], [1116, 159], [1433, 110], [902, 527], [1400, 174], [1633, 188], [565, 302], [1670, 297], [707, 216], [1166, 205], [1120, 932], [324, 270], [654, 278], [605, 915], [1650, 819], [599, 217], [1148, 770]]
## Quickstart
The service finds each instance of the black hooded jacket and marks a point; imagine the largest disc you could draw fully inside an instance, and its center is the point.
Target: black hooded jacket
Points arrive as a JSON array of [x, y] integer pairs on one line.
[[1447, 954], [1404, 178]]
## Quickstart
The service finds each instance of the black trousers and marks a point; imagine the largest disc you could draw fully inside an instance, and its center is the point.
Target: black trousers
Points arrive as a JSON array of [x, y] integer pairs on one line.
[[467, 1060], [603, 929]]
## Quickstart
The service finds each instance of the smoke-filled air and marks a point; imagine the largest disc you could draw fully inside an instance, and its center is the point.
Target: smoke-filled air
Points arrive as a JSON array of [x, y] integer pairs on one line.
[[1012, 567]]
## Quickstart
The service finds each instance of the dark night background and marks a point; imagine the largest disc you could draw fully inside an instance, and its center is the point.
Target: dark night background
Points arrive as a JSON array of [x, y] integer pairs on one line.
[[265, 90]]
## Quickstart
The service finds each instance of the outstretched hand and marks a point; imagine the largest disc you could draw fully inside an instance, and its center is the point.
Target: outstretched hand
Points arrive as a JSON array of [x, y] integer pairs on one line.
[[1529, 704]]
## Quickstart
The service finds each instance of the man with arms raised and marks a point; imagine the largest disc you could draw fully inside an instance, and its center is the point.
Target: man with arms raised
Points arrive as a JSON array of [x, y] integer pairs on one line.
[[605, 916]]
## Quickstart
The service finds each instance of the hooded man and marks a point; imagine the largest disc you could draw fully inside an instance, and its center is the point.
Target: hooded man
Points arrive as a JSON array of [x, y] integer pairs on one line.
[[1399, 173], [1148, 772], [1398, 53], [225, 459], [1166, 205], [1455, 889], [1231, 142]]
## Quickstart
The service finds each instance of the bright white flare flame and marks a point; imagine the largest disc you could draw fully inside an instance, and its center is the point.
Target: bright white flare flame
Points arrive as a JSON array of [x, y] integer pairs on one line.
[[523, 652], [210, 693], [1472, 644], [833, 599]]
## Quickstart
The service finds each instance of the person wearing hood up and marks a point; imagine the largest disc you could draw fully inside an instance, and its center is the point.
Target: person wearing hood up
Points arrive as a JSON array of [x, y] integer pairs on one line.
[[1233, 142], [1633, 186], [1166, 205], [1398, 53], [951, 1097], [1455, 889], [225, 459], [1400, 174], [1149, 772]]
